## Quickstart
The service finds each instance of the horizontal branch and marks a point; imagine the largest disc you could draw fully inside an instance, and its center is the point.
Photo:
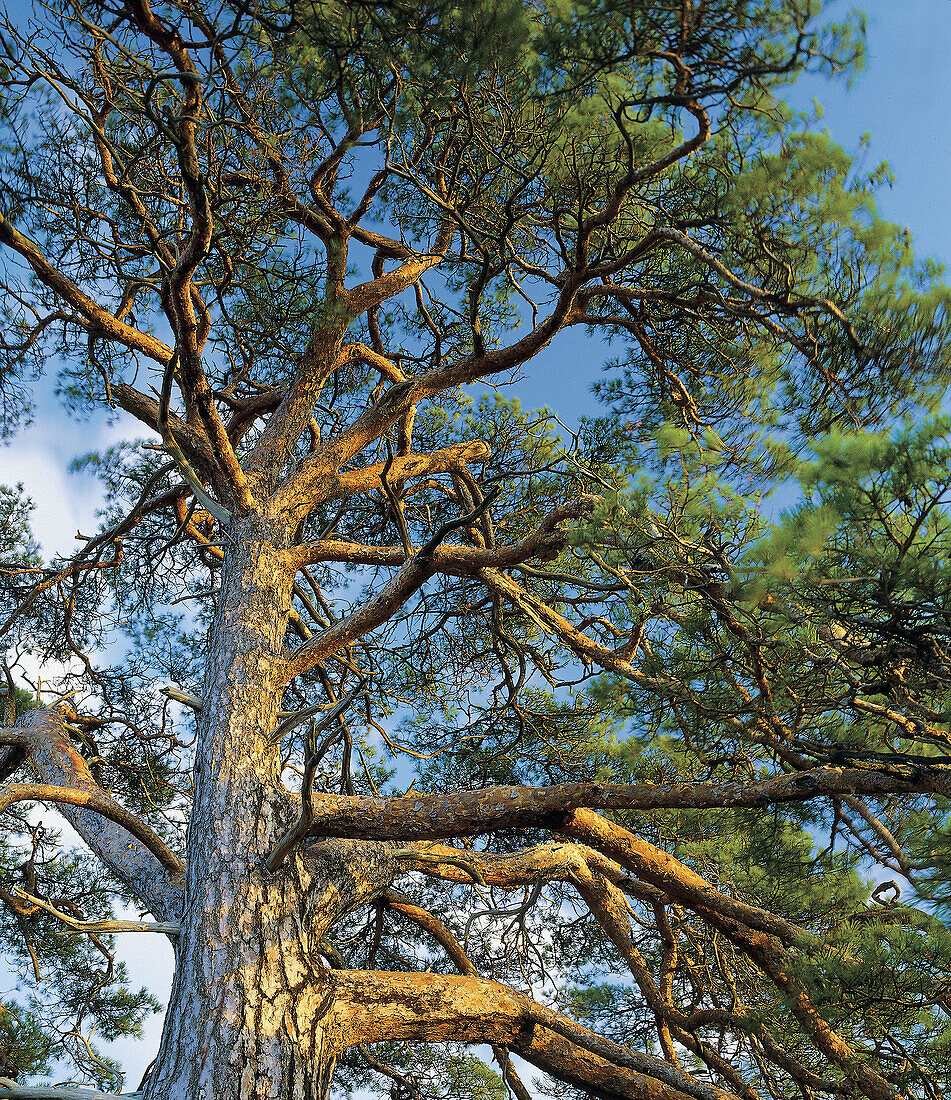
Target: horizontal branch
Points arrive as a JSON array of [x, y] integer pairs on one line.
[[468, 813], [10, 1090], [373, 1006], [318, 481], [452, 558], [403, 467], [176, 694], [76, 927], [561, 860]]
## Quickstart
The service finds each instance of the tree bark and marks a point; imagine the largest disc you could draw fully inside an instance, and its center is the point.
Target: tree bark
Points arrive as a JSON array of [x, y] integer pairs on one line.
[[245, 1016], [66, 781]]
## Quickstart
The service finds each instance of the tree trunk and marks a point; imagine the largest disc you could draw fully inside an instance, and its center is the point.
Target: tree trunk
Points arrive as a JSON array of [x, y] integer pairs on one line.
[[254, 1012], [248, 997]]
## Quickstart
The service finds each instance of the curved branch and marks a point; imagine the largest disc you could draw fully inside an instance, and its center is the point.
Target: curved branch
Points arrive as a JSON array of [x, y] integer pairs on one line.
[[371, 294], [299, 829], [136, 855], [399, 398], [380, 607], [98, 802], [454, 558], [369, 615], [759, 934], [431, 924]]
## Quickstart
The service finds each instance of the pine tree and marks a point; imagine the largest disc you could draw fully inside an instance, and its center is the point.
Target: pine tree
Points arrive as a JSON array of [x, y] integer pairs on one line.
[[420, 723]]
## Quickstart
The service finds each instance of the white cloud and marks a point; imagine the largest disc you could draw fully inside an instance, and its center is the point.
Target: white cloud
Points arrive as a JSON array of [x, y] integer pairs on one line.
[[64, 503], [40, 457]]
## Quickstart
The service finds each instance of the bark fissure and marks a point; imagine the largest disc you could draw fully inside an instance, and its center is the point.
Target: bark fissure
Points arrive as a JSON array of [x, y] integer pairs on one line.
[[534, 171]]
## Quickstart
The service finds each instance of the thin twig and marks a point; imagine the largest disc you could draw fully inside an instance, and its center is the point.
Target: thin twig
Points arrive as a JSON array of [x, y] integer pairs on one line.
[[462, 521], [425, 857], [294, 718], [79, 927], [299, 829], [396, 506], [170, 445]]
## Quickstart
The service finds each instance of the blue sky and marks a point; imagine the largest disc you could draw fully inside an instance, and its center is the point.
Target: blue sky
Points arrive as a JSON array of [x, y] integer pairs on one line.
[[903, 99]]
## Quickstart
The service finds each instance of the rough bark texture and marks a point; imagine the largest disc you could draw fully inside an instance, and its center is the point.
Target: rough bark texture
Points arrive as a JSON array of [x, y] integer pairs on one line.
[[55, 761], [244, 1018], [250, 1001]]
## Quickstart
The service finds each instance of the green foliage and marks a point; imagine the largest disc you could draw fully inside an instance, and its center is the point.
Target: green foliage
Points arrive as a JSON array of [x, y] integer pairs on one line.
[[20, 548], [420, 1071], [24, 1047], [65, 984]]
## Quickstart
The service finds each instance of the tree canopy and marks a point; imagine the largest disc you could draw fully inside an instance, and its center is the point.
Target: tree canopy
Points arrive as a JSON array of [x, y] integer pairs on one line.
[[423, 724]]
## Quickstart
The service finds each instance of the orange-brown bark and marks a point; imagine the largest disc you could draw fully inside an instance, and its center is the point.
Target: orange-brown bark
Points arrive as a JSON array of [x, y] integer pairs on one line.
[[373, 1006], [95, 316], [467, 813], [759, 934]]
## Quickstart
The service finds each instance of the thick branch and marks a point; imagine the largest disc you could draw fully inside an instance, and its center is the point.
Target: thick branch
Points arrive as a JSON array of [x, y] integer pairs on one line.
[[97, 319], [419, 465], [372, 1006], [370, 295], [468, 813], [761, 935], [10, 1090], [454, 558], [558, 860], [399, 398], [128, 847], [430, 924]]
